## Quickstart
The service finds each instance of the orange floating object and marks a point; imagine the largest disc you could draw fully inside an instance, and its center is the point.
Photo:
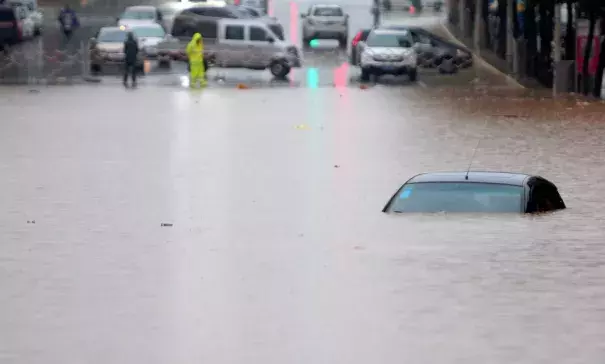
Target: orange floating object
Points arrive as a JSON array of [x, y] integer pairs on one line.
[[146, 66], [241, 86]]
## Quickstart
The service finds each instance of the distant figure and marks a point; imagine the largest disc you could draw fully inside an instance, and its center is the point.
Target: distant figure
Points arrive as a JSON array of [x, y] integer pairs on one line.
[[131, 53], [195, 54], [376, 13], [68, 20]]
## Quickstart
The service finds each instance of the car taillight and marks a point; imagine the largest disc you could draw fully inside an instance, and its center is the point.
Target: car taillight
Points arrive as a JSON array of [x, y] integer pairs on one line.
[[357, 39]]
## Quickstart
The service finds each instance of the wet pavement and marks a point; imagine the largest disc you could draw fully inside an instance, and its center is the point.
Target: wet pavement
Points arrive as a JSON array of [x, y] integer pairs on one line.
[[171, 226]]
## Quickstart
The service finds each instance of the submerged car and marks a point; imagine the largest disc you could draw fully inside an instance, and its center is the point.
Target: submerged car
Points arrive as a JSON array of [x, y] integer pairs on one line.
[[484, 192]]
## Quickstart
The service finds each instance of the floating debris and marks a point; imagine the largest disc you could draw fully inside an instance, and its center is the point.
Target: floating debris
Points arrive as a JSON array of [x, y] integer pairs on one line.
[[166, 224]]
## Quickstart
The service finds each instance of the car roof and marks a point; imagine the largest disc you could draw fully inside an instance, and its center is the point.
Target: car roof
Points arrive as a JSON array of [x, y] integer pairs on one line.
[[507, 178], [326, 6], [113, 28], [388, 31], [245, 21], [148, 25], [141, 7]]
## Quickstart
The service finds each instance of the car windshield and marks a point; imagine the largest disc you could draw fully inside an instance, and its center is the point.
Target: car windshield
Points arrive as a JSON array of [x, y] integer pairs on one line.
[[252, 12], [328, 11], [403, 39], [138, 15], [241, 12], [149, 32], [111, 36], [458, 197], [169, 11]]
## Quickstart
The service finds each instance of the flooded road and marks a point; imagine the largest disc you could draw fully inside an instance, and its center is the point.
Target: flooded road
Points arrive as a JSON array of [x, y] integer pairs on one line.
[[274, 249]]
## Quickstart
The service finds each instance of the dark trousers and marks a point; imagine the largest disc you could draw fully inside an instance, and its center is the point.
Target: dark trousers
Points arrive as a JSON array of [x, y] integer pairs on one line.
[[130, 69]]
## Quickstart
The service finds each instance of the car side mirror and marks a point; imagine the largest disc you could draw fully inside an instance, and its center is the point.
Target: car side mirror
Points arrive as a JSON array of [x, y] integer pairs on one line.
[[270, 40], [92, 42]]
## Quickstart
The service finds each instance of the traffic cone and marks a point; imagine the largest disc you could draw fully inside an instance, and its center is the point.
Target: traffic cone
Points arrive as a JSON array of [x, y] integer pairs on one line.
[[242, 86]]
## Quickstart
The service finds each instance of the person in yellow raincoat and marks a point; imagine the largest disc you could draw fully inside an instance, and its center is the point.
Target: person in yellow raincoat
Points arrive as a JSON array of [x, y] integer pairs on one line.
[[195, 53]]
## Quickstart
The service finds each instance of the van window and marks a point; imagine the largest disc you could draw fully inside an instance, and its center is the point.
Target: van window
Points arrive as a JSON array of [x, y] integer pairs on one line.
[[258, 34], [7, 14], [234, 32]]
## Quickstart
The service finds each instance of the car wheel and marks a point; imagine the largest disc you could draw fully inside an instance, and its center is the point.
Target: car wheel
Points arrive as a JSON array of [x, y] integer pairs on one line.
[[165, 63], [95, 68], [279, 69], [365, 75], [413, 75]]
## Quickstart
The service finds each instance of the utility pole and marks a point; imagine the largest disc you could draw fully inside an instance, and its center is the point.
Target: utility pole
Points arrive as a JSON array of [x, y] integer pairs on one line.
[[477, 30], [510, 10], [557, 46]]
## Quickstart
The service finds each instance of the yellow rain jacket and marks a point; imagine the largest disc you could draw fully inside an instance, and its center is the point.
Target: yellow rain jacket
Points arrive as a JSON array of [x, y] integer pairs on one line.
[[195, 53]]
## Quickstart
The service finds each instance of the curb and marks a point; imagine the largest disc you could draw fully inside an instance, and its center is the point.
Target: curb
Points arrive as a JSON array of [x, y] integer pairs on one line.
[[479, 59]]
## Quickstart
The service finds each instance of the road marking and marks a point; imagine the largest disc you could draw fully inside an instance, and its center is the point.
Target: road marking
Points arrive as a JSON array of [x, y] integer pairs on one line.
[[421, 84]]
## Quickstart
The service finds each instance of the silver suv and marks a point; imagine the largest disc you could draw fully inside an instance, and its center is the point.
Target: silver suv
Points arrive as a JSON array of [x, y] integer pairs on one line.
[[388, 52], [325, 22]]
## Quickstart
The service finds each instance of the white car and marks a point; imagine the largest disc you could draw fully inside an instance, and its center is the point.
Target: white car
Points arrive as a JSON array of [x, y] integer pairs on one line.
[[148, 37], [168, 11], [325, 22], [388, 52], [135, 15]]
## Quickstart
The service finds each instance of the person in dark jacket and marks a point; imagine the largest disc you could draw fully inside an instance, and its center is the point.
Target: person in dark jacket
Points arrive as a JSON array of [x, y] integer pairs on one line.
[[68, 20], [131, 53]]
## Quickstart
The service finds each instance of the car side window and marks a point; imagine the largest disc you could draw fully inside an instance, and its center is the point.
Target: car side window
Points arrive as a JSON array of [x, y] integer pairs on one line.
[[207, 29], [234, 32], [258, 34]]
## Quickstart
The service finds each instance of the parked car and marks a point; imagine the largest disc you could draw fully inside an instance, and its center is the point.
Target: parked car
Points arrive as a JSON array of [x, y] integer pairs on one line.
[[361, 36], [134, 15], [148, 36], [15, 25], [202, 11], [482, 192], [107, 49], [434, 50], [235, 43], [388, 52], [325, 22]]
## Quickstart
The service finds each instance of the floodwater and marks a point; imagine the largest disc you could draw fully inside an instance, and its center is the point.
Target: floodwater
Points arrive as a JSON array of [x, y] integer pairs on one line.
[[278, 251]]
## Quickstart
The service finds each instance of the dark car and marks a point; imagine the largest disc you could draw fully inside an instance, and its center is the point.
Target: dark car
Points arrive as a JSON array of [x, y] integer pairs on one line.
[[485, 192], [435, 51], [10, 28], [361, 36]]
